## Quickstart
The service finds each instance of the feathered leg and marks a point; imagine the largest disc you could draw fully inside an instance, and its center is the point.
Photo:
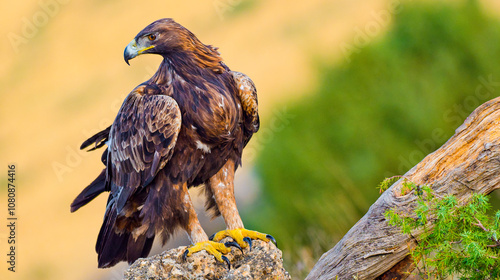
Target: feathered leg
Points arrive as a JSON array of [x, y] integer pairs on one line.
[[193, 228], [198, 236], [222, 187]]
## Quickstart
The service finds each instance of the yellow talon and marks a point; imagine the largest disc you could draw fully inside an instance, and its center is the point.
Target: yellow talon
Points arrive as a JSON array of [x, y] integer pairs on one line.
[[213, 248], [242, 236]]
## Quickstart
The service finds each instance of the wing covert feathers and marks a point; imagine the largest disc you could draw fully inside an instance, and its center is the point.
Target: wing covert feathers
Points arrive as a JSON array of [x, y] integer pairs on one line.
[[142, 138], [247, 94]]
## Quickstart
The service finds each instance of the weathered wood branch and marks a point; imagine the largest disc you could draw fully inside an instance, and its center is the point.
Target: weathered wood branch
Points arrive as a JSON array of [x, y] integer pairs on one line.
[[469, 162]]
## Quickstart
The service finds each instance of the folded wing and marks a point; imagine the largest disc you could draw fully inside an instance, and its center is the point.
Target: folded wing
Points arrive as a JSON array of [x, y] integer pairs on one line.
[[141, 141]]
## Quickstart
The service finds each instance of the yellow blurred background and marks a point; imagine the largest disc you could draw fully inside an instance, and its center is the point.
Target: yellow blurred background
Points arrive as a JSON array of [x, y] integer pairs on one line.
[[63, 78]]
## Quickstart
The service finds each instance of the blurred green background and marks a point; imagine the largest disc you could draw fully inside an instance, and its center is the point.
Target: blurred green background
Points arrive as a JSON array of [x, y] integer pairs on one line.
[[399, 98], [350, 92]]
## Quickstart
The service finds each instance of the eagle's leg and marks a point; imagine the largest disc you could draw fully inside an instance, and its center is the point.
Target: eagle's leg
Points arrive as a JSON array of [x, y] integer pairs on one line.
[[198, 236], [222, 187]]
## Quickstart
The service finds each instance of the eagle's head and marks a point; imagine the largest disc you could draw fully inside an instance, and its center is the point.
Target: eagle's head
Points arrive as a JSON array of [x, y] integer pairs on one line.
[[164, 37], [160, 37]]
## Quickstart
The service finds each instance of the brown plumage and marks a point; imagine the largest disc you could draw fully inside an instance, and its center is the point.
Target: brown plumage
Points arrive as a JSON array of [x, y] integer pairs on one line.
[[186, 126]]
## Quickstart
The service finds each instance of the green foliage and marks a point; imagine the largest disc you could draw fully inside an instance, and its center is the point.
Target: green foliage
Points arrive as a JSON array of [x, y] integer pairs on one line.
[[386, 183], [457, 239], [398, 99]]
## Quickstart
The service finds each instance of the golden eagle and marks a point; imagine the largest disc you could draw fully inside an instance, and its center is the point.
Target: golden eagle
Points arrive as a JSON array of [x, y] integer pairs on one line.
[[184, 127]]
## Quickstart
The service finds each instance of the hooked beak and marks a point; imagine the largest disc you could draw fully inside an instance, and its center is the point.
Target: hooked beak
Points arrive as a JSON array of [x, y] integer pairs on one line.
[[132, 50]]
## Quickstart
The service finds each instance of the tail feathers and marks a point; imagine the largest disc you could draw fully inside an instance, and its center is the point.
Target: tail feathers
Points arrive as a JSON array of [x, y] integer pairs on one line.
[[94, 189], [115, 245], [111, 247], [138, 248], [128, 234], [163, 210], [98, 139], [210, 204]]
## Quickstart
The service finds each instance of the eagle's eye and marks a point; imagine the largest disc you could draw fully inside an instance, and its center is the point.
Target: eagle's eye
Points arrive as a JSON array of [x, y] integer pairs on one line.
[[152, 37]]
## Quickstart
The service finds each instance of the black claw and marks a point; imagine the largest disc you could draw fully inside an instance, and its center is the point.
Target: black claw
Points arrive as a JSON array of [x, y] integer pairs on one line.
[[249, 241], [184, 255], [212, 237], [233, 244], [227, 261], [271, 238]]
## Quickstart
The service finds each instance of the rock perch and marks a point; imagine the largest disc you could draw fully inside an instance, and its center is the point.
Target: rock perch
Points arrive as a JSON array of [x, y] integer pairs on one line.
[[264, 261]]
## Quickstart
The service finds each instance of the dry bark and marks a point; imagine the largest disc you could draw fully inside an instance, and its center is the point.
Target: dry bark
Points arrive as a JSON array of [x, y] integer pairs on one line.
[[469, 162]]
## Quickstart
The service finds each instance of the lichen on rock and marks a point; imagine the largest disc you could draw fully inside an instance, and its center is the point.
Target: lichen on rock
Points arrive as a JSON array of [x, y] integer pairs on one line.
[[264, 261]]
